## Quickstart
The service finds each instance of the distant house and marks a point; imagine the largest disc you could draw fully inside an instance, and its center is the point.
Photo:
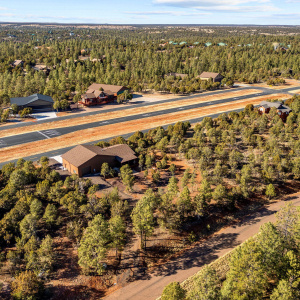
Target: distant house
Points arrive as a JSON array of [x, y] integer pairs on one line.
[[282, 110], [177, 75], [208, 44], [37, 102], [88, 159], [216, 77], [18, 63], [41, 68], [101, 93], [276, 45], [222, 44]]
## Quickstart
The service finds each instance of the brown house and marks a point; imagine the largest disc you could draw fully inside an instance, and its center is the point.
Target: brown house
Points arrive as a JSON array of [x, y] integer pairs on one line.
[[101, 93], [216, 77], [88, 159], [282, 110]]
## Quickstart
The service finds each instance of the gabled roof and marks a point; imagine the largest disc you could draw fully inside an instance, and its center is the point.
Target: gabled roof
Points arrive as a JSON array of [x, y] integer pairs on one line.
[[106, 87], [83, 153], [278, 105], [17, 62], [209, 75], [32, 98]]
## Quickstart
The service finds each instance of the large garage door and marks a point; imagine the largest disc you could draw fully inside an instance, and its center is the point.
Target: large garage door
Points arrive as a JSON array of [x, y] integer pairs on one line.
[[86, 171]]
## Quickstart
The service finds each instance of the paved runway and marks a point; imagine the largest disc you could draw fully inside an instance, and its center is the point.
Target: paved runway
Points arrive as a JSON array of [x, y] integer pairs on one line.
[[63, 150], [47, 134], [124, 107]]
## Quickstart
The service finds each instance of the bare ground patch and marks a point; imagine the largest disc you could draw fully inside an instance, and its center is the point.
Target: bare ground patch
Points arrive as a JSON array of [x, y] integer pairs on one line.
[[289, 84]]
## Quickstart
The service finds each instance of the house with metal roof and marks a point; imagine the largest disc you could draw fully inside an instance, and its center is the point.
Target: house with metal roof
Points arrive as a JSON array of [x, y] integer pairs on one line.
[[216, 77], [88, 159], [208, 44], [282, 110], [222, 44], [37, 102]]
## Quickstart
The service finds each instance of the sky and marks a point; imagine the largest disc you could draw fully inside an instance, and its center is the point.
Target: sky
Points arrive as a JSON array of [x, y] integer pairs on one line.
[[260, 12]]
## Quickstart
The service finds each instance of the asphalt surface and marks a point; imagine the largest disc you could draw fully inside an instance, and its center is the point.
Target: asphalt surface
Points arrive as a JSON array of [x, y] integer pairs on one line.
[[63, 150], [150, 286], [47, 134], [124, 107]]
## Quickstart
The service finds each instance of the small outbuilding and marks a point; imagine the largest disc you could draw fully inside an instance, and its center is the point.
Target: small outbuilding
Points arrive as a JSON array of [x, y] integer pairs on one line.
[[37, 102], [18, 63]]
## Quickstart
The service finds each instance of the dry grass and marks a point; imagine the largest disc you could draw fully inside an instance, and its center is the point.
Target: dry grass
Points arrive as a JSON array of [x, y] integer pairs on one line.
[[108, 131], [289, 84], [296, 91], [53, 124]]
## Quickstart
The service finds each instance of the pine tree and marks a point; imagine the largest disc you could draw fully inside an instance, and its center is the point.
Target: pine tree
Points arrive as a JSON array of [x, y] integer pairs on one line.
[[142, 219], [94, 245]]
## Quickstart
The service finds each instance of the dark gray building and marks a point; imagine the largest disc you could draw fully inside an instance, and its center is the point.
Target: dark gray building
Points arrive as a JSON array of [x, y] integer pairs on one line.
[[37, 102]]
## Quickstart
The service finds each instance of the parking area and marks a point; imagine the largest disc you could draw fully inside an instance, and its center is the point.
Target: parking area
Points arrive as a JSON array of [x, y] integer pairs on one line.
[[44, 115]]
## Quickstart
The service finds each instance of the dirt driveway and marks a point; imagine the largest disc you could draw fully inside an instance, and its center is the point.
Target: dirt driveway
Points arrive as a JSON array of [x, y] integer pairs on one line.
[[151, 286]]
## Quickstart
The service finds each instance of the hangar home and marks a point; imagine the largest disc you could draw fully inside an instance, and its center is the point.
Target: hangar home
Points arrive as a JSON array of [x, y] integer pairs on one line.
[[216, 77], [37, 102], [88, 159]]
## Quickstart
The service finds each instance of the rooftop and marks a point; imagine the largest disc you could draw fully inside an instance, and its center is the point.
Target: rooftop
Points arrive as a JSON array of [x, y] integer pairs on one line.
[[278, 105], [26, 100], [209, 75], [83, 153]]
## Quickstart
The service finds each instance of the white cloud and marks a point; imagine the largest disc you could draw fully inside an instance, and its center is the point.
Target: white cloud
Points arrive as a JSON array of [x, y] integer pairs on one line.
[[8, 15], [240, 9], [222, 5], [208, 3], [286, 16], [172, 13]]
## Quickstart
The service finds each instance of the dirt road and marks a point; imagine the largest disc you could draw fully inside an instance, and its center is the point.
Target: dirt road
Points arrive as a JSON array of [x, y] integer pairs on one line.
[[188, 264]]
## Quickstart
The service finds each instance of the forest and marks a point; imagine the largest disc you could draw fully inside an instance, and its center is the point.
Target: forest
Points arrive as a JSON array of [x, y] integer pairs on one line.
[[264, 267], [140, 57], [244, 159]]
